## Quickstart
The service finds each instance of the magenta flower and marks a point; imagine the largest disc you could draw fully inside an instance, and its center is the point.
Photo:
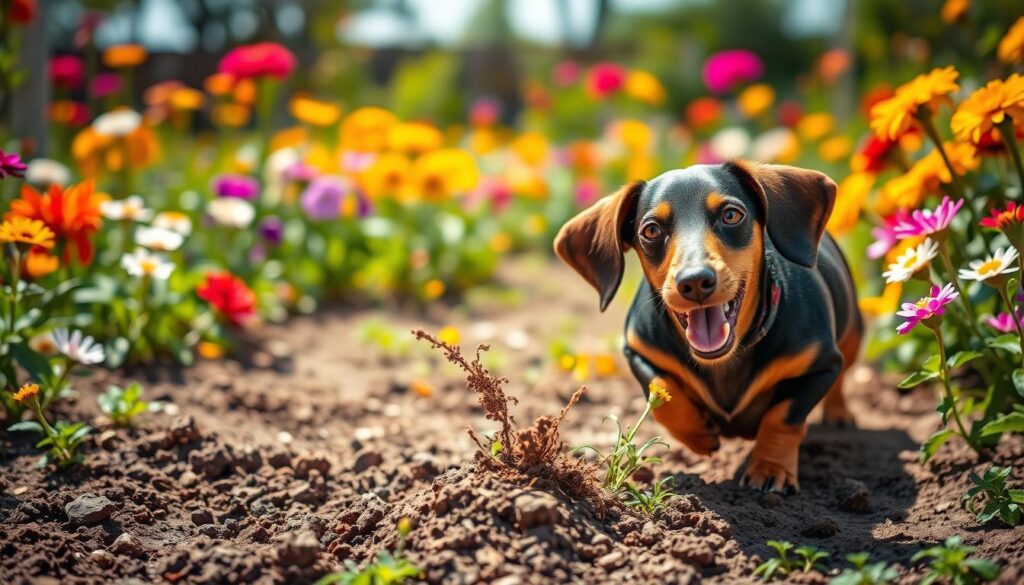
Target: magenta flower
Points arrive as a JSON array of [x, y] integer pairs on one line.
[[587, 192], [1003, 322], [237, 186], [258, 60], [885, 235], [604, 79], [924, 222], [11, 165], [67, 71], [926, 308], [105, 84], [725, 69]]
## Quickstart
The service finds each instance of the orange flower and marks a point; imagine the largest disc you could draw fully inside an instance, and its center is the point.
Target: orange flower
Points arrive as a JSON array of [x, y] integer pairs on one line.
[[22, 230], [96, 152], [1011, 48], [853, 191], [926, 176], [988, 107], [954, 10], [366, 129], [26, 392], [39, 263], [127, 55], [219, 84], [313, 111], [892, 117], [73, 214]]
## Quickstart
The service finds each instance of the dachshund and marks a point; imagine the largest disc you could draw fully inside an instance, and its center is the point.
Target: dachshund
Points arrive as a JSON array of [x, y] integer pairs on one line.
[[747, 314]]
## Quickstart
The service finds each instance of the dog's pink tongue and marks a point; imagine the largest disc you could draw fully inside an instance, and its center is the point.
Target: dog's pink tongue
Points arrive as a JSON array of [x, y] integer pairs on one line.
[[707, 329]]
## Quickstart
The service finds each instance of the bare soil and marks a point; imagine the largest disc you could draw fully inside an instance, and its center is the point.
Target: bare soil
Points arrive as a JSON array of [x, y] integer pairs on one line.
[[309, 449]]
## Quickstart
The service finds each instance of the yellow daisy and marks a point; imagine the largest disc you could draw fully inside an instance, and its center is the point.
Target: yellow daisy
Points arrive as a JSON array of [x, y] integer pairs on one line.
[[21, 230], [987, 107], [891, 118]]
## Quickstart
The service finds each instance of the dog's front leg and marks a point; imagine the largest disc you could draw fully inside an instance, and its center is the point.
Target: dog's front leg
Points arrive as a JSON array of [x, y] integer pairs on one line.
[[773, 463], [684, 419]]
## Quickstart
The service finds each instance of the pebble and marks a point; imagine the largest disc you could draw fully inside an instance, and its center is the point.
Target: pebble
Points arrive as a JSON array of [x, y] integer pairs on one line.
[[535, 509], [855, 496], [126, 545], [366, 459], [102, 558], [89, 509], [284, 437], [300, 549], [309, 461], [201, 517], [612, 560], [107, 440]]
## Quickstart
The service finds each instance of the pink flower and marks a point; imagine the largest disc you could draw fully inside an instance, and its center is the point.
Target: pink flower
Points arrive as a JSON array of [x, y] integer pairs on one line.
[[67, 71], [926, 308], [725, 69], [11, 165], [885, 235], [587, 192], [604, 79], [926, 222], [485, 112], [1003, 322], [258, 60], [566, 73], [105, 84]]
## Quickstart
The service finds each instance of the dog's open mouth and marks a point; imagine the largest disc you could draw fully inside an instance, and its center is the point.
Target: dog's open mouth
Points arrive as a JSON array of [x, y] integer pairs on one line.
[[710, 331]]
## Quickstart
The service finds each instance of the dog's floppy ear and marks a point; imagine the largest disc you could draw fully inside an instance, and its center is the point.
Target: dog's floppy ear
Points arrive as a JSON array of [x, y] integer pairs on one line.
[[797, 204], [594, 241]]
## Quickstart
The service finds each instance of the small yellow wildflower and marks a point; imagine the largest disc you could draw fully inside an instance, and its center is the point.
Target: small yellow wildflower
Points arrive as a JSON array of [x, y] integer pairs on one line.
[[658, 395], [450, 335], [1011, 47], [21, 230], [26, 392]]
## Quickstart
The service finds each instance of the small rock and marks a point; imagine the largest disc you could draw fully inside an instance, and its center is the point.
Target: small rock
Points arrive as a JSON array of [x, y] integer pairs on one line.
[[89, 509], [769, 500], [248, 458], [854, 496], [201, 517], [279, 458], [308, 461], [366, 459], [262, 359], [102, 558], [535, 509], [300, 549], [210, 462], [182, 431], [126, 545], [107, 440], [508, 580], [188, 479], [612, 560], [823, 527]]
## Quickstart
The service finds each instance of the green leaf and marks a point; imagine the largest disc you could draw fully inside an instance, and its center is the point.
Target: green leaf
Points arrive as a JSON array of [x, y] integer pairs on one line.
[[931, 364], [962, 357], [932, 444], [117, 351], [37, 366], [1012, 423], [1018, 381], [917, 378], [1008, 342], [26, 425], [984, 568]]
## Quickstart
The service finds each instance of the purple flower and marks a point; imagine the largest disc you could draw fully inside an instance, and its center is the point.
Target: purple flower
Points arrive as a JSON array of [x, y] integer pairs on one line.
[[725, 69], [272, 230], [1003, 322], [926, 308], [924, 222], [300, 172], [105, 84], [237, 186], [11, 165], [322, 198]]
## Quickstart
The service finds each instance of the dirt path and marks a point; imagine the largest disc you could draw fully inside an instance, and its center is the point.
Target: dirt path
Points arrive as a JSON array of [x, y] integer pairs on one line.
[[308, 451]]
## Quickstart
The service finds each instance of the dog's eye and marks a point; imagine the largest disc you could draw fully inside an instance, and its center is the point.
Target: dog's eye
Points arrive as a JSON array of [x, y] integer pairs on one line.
[[651, 231], [732, 216]]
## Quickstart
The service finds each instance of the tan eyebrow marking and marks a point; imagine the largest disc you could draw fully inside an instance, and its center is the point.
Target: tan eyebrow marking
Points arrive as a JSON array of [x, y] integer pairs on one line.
[[662, 211], [714, 200]]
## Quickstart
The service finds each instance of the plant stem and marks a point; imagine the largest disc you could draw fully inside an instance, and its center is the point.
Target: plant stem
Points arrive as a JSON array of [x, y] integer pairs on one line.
[[944, 375], [1006, 129], [947, 263], [1014, 318], [52, 434], [924, 116], [15, 281]]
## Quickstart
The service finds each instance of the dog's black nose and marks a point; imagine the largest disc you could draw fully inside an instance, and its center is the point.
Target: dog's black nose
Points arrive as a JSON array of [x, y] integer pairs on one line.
[[696, 283]]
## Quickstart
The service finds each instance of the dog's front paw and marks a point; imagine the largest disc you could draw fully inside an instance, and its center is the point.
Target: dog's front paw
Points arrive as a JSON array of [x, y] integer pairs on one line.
[[770, 476]]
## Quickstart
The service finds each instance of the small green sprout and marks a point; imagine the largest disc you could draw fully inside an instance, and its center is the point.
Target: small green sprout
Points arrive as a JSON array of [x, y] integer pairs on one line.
[[653, 500], [996, 500], [386, 569], [62, 440], [122, 405], [783, 564], [864, 574], [953, 562]]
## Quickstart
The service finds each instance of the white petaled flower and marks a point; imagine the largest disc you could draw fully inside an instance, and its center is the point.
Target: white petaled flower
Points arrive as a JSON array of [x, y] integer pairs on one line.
[[160, 239], [43, 172], [231, 212], [175, 221], [77, 347], [131, 208], [774, 144], [911, 261], [730, 143], [43, 344], [1001, 262], [142, 262], [117, 123]]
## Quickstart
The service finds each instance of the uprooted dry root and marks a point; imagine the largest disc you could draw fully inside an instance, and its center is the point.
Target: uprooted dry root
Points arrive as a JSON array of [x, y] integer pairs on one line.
[[534, 455]]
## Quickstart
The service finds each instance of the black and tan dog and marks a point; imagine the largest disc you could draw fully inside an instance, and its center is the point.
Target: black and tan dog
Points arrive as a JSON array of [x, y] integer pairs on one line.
[[747, 315]]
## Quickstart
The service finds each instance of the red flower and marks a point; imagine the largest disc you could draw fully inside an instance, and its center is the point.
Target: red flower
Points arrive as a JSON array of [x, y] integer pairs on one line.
[[67, 71], [604, 79], [23, 11], [230, 296], [73, 214], [1003, 219], [258, 60]]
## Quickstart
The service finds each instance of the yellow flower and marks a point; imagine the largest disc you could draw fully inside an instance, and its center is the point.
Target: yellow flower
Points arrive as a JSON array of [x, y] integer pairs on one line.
[[925, 177], [387, 176], [604, 365], [853, 191], [639, 167], [988, 107], [231, 115], [366, 129], [657, 395], [567, 362], [414, 137], [186, 99], [433, 289], [644, 87], [127, 55], [531, 147], [755, 100], [26, 392], [954, 10], [289, 138], [835, 148], [1011, 47], [891, 118], [815, 126], [440, 174], [21, 230], [210, 350], [501, 242], [313, 111], [450, 335], [884, 304], [484, 140], [634, 135]]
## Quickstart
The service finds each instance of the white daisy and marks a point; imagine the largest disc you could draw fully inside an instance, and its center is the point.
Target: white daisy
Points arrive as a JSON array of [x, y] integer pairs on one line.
[[729, 143], [231, 212], [142, 262], [1001, 262], [43, 344], [175, 221], [43, 172], [911, 261], [159, 239], [78, 348], [117, 123], [131, 208]]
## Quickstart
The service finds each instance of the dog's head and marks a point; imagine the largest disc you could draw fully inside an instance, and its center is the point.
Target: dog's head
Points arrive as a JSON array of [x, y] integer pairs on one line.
[[700, 235]]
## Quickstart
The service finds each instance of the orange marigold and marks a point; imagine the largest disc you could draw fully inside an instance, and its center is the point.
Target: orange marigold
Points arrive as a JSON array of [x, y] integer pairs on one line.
[[988, 107], [72, 213], [1011, 47], [891, 118], [26, 392], [22, 230]]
